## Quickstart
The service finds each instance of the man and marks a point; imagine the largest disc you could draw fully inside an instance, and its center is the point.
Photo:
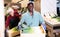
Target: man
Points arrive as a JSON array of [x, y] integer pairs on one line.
[[32, 18], [12, 20]]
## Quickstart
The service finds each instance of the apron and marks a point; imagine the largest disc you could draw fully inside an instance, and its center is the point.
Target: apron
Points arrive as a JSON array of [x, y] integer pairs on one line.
[[13, 22], [33, 32]]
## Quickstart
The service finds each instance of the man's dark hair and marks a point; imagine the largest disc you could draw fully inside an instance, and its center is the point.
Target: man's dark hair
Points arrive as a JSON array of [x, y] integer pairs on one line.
[[30, 3]]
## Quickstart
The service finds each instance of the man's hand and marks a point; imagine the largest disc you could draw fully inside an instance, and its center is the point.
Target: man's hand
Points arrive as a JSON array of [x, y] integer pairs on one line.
[[42, 30]]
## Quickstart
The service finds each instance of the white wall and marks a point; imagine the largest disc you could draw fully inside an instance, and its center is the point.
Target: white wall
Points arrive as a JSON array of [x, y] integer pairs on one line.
[[1, 18], [48, 7]]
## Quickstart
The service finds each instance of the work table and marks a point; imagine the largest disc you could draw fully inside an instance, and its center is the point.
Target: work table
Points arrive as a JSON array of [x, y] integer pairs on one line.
[[53, 26]]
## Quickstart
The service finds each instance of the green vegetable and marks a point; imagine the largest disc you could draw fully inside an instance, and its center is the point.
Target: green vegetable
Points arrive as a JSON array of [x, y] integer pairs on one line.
[[28, 30], [57, 18]]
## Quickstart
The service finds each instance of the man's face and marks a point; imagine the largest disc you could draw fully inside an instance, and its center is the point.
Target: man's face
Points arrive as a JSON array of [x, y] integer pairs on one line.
[[30, 8], [11, 13]]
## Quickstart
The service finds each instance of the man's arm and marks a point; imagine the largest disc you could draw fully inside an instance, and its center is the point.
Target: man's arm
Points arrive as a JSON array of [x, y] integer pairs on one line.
[[7, 22], [43, 25], [21, 22], [42, 22]]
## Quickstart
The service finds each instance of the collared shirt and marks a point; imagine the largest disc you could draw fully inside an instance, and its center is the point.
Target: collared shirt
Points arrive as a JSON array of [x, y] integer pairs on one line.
[[33, 20]]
